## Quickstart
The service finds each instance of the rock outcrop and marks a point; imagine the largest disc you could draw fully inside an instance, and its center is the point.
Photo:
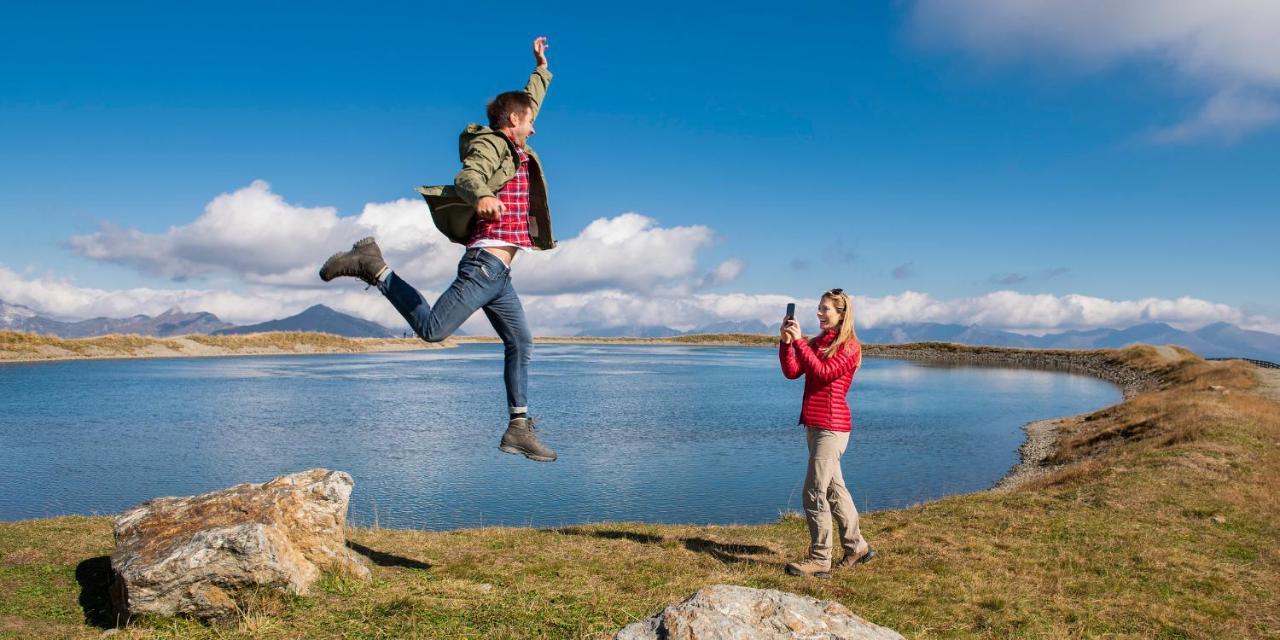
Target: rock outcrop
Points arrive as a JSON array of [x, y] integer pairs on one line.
[[197, 555], [724, 612]]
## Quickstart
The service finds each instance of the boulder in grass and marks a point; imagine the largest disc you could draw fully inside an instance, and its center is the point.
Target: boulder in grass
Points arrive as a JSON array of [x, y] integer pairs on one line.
[[724, 612], [198, 556]]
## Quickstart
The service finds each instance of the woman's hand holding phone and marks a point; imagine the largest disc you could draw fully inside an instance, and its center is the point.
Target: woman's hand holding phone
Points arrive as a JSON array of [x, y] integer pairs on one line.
[[790, 330]]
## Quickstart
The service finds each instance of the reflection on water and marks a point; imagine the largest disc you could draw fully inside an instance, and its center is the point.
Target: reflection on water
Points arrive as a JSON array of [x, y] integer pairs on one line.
[[651, 433]]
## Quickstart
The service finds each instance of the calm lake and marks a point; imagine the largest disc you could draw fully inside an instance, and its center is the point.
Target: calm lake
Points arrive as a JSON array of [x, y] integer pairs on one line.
[[655, 434]]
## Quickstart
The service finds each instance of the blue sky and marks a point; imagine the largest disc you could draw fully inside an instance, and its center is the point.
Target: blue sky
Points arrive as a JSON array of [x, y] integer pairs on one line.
[[888, 148]]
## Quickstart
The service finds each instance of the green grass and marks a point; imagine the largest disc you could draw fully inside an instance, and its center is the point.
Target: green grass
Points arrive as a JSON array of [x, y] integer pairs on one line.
[[1169, 531]]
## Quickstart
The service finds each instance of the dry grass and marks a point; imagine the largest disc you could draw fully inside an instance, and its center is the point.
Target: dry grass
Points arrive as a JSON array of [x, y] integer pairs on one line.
[[1163, 523], [30, 343], [283, 340], [17, 346], [1188, 372]]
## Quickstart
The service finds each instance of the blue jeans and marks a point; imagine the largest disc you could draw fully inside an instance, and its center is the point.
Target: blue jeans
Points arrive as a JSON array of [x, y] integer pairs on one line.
[[483, 282]]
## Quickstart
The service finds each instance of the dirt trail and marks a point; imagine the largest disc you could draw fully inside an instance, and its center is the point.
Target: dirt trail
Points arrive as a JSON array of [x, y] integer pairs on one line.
[[1269, 383]]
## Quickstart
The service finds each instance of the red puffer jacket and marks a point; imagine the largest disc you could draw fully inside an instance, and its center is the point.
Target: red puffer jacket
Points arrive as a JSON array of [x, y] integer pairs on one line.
[[826, 381]]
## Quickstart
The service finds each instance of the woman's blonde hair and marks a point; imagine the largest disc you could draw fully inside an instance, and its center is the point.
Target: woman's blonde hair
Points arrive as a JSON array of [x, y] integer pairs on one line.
[[844, 331]]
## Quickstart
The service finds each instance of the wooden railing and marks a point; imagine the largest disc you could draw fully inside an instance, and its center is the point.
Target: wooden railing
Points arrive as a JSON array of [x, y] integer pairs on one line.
[[1260, 363]]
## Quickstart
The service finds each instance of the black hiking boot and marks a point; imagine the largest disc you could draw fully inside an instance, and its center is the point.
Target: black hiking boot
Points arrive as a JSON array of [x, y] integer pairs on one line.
[[521, 439], [363, 261]]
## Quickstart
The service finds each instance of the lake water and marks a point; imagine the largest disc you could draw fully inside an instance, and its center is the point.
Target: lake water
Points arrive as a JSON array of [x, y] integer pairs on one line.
[[655, 434]]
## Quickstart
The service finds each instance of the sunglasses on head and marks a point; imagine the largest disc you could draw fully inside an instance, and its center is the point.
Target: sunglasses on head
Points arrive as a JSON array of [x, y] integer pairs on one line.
[[834, 292]]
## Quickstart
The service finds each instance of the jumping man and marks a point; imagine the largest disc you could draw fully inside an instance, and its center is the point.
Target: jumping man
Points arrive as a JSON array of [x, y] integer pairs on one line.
[[497, 207]]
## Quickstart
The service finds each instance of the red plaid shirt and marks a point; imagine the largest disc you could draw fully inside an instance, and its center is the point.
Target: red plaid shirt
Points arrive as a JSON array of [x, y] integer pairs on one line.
[[512, 225]]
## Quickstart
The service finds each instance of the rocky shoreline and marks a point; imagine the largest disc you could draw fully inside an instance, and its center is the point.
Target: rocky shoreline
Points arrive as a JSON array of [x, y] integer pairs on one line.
[[1098, 364], [1042, 435]]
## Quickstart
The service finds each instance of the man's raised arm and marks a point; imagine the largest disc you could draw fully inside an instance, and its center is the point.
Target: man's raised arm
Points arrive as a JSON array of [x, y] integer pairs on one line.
[[540, 79]]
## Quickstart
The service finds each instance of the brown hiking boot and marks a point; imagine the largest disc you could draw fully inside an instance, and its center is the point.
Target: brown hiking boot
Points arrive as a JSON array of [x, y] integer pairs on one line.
[[809, 567], [363, 261], [521, 439], [851, 560]]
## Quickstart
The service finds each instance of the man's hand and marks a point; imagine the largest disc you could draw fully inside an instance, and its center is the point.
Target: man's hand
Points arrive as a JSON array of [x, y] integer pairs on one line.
[[489, 208], [540, 50]]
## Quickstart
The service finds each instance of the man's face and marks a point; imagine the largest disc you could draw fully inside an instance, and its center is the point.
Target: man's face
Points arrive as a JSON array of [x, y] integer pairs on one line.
[[522, 127]]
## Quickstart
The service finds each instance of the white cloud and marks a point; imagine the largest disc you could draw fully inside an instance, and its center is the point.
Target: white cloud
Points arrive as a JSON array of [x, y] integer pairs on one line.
[[63, 299], [725, 272], [254, 235], [628, 252], [1231, 47], [620, 271], [569, 313], [1039, 313], [1229, 115]]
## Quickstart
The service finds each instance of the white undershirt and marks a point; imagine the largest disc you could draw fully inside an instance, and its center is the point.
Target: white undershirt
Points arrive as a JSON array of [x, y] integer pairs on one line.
[[490, 242]]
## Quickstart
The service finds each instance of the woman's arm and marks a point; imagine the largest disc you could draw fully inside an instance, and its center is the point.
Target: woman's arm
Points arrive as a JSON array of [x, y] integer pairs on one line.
[[787, 357], [787, 337], [844, 362]]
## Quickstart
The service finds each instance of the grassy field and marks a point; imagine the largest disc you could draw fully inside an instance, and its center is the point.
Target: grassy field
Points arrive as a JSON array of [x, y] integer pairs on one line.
[[21, 346], [1161, 522]]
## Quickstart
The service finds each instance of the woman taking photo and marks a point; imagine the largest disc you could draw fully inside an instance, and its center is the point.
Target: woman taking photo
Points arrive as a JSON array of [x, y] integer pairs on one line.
[[827, 363]]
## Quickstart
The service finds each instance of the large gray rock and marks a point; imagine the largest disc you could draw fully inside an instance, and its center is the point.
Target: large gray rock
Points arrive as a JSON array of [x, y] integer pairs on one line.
[[196, 556], [727, 612]]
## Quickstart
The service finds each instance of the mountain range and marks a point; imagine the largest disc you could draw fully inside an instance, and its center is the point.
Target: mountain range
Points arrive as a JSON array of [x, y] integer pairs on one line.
[[1216, 340], [174, 322]]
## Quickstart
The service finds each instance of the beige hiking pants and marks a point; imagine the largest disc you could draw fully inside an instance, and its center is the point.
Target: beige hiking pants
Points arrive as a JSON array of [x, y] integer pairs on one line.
[[825, 493]]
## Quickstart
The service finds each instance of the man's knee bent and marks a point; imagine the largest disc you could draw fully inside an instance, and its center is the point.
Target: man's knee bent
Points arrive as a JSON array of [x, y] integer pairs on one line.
[[432, 335]]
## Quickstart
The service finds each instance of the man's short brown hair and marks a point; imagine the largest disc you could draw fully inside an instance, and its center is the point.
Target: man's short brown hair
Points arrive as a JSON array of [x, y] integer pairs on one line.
[[505, 105]]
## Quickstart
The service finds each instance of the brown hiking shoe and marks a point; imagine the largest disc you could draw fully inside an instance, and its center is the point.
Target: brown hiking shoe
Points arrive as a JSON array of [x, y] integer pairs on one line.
[[809, 567], [851, 560], [521, 439], [363, 261]]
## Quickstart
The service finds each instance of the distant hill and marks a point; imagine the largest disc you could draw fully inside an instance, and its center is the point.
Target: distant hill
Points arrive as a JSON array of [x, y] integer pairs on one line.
[[318, 318], [173, 322], [1213, 341], [651, 331], [628, 331], [736, 326], [932, 332]]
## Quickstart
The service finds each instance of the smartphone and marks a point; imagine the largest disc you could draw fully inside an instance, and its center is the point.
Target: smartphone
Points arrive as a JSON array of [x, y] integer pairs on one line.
[[791, 310]]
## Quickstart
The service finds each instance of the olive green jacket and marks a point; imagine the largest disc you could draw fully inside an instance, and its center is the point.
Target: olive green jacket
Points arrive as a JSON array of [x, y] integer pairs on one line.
[[489, 162]]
